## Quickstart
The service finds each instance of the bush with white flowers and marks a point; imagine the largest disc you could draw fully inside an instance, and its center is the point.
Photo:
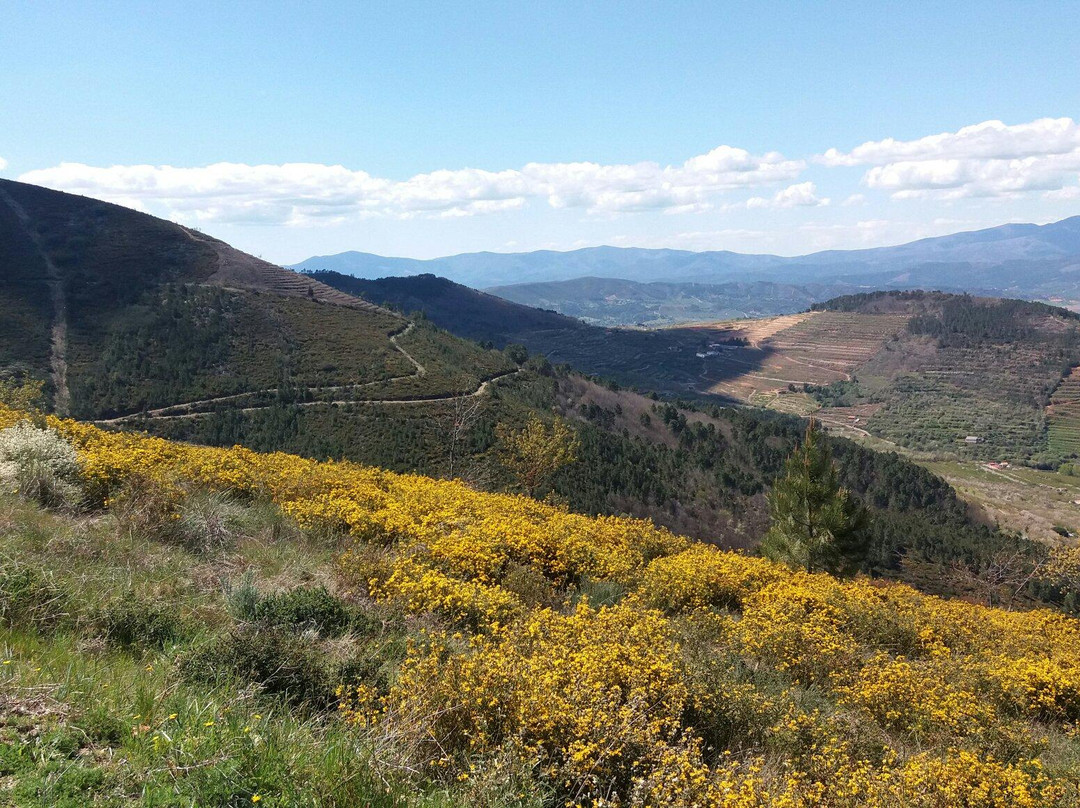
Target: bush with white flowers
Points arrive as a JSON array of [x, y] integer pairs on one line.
[[39, 465]]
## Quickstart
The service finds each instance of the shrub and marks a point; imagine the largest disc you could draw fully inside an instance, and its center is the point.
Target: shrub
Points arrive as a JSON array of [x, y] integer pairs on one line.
[[305, 608], [29, 598], [39, 464], [135, 622], [280, 662]]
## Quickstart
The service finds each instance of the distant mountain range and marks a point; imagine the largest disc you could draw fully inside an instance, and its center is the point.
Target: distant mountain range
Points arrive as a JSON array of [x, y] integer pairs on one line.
[[1010, 258]]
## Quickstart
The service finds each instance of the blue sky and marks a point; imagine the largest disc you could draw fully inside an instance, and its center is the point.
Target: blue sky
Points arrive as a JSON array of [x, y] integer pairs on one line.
[[506, 126]]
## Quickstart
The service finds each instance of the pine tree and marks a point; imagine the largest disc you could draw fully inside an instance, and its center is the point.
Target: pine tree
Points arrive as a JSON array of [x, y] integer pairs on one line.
[[816, 524]]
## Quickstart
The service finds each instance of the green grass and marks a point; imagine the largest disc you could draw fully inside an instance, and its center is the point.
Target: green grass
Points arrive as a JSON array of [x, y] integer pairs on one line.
[[90, 715]]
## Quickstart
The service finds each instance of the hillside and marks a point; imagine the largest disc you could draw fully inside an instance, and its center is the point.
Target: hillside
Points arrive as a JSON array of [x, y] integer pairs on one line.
[[962, 367], [220, 627], [125, 313], [174, 352], [178, 351], [1013, 260], [920, 370], [464, 311]]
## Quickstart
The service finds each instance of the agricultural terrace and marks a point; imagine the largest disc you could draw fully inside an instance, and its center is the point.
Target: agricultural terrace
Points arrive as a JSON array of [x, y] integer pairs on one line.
[[809, 348], [585, 661], [996, 392], [1063, 416]]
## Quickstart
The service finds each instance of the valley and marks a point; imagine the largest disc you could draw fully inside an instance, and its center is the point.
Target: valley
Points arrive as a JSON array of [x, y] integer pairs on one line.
[[288, 484], [539, 405]]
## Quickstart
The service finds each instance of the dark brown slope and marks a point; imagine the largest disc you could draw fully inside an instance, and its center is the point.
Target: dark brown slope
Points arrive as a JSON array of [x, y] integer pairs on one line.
[[116, 253]]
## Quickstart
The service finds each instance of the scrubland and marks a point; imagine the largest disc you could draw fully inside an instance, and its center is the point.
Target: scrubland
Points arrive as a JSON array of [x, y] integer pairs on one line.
[[183, 625]]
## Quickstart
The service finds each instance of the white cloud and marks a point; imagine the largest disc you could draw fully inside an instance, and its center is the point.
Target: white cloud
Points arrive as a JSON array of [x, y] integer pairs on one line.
[[307, 193], [985, 160], [987, 140], [1067, 194], [3, 163], [803, 195]]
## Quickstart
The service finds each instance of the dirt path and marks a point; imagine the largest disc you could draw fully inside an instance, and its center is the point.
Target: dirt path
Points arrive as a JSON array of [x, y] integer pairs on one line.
[[169, 412], [420, 369], [58, 343], [479, 391]]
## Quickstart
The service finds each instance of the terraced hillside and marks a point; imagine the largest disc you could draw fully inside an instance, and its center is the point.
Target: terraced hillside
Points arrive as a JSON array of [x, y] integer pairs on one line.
[[816, 347], [968, 377], [1063, 416]]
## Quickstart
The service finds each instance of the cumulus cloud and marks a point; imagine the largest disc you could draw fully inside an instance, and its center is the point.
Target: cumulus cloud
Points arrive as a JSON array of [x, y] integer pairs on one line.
[[305, 193], [3, 163], [987, 159], [803, 195]]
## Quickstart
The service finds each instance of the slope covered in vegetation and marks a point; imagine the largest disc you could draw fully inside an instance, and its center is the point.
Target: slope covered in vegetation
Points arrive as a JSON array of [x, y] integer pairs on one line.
[[963, 366], [923, 370], [122, 312], [701, 472], [238, 627]]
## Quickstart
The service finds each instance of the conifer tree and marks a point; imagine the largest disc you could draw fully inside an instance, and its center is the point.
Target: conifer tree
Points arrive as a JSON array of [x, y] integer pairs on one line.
[[816, 524]]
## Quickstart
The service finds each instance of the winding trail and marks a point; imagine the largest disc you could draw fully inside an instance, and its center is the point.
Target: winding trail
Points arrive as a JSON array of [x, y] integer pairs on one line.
[[58, 342], [184, 410], [378, 402]]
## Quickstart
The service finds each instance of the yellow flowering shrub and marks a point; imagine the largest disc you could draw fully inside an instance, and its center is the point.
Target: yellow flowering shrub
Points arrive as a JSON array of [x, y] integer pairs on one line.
[[915, 697], [719, 679], [703, 576], [593, 698]]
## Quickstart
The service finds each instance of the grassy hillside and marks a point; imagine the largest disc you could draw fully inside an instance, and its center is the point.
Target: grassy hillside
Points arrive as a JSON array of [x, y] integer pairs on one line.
[[219, 627]]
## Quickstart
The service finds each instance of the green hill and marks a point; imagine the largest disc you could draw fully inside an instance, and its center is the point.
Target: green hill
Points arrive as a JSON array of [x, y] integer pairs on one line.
[[922, 370], [467, 312], [123, 312], [966, 376]]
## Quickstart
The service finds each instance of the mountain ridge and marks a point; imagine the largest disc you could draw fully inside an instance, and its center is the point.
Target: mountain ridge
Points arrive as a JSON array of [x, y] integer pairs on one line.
[[989, 246]]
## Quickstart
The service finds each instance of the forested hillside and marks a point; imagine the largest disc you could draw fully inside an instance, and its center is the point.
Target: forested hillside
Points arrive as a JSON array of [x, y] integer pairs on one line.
[[153, 326], [923, 370], [459, 309]]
